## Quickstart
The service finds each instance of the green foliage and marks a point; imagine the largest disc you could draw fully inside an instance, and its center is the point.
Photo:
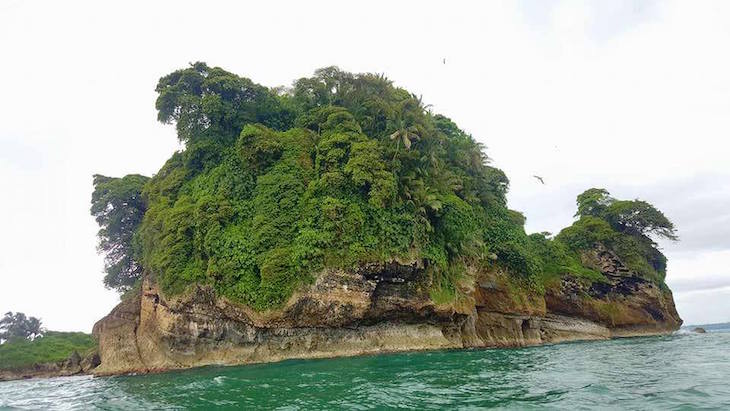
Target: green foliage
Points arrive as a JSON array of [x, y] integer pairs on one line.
[[15, 326], [118, 206], [623, 226], [633, 217], [52, 347], [368, 171], [593, 202], [254, 207], [340, 170], [445, 288], [504, 235], [211, 103], [586, 232], [557, 259], [640, 219]]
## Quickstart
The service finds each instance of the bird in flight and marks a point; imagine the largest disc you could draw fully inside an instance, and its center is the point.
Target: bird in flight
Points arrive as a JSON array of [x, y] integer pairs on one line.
[[539, 179]]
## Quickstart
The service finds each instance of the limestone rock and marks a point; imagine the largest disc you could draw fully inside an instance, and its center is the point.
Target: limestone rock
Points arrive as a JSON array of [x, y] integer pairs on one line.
[[375, 308]]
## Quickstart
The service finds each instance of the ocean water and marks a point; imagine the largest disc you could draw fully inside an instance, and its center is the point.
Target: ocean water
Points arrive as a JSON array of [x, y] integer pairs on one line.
[[680, 371]]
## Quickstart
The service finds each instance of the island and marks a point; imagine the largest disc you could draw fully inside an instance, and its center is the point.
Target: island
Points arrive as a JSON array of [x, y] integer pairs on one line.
[[342, 216]]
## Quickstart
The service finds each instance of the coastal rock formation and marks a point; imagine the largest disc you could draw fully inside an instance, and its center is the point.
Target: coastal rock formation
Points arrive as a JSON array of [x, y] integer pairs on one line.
[[345, 218], [73, 365], [376, 308]]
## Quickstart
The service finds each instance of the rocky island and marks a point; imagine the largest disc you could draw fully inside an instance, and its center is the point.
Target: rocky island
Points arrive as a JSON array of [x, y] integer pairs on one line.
[[343, 217]]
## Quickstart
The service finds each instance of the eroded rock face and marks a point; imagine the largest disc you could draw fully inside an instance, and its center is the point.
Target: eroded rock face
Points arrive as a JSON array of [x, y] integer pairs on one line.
[[626, 302], [376, 308], [343, 313]]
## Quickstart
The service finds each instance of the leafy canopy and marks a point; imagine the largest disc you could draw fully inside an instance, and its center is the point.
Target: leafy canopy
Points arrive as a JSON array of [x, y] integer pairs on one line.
[[118, 206], [634, 217], [211, 103]]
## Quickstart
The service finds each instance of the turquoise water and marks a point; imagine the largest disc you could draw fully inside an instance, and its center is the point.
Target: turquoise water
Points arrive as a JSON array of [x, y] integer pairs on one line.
[[681, 371]]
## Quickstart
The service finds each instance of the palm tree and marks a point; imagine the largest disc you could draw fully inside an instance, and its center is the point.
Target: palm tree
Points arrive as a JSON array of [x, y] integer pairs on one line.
[[422, 198], [403, 132], [424, 108]]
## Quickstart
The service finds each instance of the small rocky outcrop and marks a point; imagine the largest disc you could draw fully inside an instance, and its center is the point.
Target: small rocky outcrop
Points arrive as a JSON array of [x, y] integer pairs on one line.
[[75, 364], [626, 302], [376, 308], [699, 330]]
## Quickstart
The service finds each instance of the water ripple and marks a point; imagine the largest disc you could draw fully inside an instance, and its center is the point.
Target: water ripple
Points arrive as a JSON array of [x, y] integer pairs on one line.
[[674, 372]]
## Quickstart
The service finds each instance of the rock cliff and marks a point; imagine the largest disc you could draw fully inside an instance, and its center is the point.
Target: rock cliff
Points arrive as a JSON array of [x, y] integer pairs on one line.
[[378, 308]]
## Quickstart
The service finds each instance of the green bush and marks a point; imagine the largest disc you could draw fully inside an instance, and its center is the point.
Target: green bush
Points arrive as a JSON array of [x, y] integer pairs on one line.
[[52, 347]]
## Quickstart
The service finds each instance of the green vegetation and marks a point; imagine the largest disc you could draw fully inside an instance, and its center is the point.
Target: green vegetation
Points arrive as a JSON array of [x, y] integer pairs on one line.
[[53, 346], [625, 227], [274, 185], [118, 206]]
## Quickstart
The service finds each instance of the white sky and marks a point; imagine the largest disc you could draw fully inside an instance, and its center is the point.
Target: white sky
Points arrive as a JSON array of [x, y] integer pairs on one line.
[[630, 96]]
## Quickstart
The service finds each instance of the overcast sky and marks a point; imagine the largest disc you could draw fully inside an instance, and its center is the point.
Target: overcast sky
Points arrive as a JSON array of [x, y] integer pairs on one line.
[[633, 96]]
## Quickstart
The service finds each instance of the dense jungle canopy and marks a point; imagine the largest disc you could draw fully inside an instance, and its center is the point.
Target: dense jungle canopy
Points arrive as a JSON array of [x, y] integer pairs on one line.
[[275, 184]]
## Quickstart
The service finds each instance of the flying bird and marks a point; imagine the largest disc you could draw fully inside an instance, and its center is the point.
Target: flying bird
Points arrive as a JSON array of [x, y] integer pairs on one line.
[[539, 179]]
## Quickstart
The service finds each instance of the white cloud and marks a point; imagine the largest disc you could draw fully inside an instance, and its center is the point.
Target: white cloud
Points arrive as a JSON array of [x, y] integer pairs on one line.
[[629, 95], [704, 306]]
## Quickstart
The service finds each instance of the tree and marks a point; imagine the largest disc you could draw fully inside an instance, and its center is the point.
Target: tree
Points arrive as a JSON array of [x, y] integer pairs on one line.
[[18, 326], [405, 134], [212, 103], [593, 202], [640, 218], [406, 131], [118, 206], [633, 217]]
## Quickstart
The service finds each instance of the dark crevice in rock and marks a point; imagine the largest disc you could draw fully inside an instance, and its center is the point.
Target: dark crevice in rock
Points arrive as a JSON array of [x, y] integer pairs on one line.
[[390, 272], [525, 326]]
